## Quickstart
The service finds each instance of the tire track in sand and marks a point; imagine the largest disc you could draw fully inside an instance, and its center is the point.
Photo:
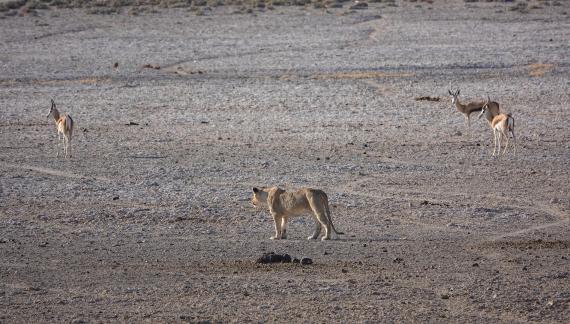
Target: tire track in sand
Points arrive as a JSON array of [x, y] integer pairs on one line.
[[563, 217], [53, 172]]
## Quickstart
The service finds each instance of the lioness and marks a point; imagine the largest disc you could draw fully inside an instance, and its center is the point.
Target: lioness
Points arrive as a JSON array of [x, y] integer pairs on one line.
[[283, 204]]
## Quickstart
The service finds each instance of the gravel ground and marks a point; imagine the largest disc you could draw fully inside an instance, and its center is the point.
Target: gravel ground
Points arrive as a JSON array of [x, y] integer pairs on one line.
[[150, 220]]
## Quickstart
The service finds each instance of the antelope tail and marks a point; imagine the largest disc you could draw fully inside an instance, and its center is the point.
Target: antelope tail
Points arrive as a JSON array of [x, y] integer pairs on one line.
[[69, 124]]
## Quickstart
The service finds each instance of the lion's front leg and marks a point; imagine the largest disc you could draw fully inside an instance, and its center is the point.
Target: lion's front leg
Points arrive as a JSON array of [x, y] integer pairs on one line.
[[277, 219], [284, 227]]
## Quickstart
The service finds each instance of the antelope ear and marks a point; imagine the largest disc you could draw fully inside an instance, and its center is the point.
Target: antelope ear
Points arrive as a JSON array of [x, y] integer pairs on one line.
[[255, 190], [451, 94], [458, 91]]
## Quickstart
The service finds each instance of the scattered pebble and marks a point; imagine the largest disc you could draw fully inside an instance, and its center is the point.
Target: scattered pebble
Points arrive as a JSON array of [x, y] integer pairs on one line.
[[427, 98], [152, 66]]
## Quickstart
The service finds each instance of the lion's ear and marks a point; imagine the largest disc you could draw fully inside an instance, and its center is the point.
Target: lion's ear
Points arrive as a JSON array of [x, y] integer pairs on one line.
[[255, 190]]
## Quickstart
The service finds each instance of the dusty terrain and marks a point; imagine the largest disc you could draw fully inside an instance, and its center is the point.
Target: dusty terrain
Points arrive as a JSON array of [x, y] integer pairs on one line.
[[150, 219]]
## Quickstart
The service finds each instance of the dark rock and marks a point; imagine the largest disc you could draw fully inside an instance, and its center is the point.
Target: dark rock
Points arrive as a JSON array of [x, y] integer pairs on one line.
[[271, 257], [306, 261], [359, 5]]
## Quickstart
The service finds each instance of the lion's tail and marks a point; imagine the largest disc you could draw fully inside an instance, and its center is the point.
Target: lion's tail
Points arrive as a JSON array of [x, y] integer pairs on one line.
[[329, 217]]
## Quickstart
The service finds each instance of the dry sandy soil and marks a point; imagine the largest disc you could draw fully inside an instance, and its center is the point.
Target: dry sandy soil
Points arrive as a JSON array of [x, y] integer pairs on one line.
[[150, 220]]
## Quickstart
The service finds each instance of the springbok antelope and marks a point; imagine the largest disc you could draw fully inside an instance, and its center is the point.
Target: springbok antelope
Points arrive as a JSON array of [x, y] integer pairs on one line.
[[64, 126], [501, 125], [469, 108]]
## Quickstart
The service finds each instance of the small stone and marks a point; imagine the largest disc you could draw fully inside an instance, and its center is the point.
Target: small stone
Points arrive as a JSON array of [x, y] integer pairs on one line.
[[444, 296], [476, 264], [343, 270], [116, 198]]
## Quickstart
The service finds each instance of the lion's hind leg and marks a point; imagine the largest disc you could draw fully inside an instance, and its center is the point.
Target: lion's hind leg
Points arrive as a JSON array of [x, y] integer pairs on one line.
[[321, 219], [320, 216], [317, 231], [326, 224]]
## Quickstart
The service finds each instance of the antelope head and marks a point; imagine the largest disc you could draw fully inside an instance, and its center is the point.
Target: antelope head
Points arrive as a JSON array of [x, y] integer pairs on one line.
[[454, 95], [51, 110], [485, 107]]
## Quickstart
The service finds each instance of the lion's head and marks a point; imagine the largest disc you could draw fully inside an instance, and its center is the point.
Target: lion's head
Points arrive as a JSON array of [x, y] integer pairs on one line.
[[258, 197]]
